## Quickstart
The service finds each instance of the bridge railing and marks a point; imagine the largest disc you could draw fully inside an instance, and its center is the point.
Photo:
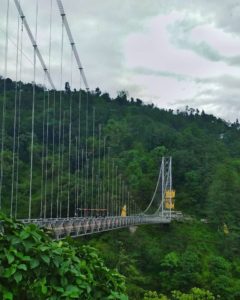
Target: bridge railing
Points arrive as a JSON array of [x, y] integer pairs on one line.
[[61, 227]]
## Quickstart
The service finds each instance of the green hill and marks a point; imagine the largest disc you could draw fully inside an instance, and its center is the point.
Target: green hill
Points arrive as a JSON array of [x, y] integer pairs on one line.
[[206, 176]]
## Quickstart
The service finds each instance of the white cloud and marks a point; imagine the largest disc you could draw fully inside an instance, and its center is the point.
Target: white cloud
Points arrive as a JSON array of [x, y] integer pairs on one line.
[[181, 37], [127, 44]]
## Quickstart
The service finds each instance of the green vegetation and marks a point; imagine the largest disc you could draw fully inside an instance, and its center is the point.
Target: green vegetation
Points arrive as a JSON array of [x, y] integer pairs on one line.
[[171, 258], [198, 258], [195, 294], [34, 267]]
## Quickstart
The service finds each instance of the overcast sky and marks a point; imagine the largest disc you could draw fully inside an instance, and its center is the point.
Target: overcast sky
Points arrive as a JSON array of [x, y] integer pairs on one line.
[[171, 53]]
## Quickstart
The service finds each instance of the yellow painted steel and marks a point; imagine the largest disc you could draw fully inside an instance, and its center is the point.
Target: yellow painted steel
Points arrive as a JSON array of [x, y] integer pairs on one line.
[[124, 211], [169, 204], [170, 194], [225, 229], [169, 199]]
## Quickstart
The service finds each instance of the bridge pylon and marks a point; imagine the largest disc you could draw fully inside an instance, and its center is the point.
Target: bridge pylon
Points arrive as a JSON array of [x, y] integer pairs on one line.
[[162, 201]]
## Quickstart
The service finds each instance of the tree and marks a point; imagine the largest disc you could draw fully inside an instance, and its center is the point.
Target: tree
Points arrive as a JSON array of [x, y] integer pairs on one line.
[[194, 294], [32, 266], [67, 87], [154, 296], [97, 92], [223, 197], [122, 97], [106, 97]]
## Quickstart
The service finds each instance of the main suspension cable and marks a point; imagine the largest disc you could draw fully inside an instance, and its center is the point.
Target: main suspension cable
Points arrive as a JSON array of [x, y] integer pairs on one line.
[[156, 189], [34, 43], [72, 43]]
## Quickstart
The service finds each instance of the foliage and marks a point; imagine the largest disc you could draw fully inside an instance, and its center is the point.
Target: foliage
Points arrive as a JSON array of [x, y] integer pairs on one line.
[[194, 294], [206, 174], [34, 267], [178, 257], [201, 146], [150, 295], [224, 194]]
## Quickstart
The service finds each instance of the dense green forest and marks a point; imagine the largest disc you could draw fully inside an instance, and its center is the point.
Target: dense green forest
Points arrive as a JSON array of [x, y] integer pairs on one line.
[[198, 259]]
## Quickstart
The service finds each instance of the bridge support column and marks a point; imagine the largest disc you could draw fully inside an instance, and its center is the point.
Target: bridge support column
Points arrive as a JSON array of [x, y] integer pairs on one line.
[[58, 229], [133, 229], [68, 227]]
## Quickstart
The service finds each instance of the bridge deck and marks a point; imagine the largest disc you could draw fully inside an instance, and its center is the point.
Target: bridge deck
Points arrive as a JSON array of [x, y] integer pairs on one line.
[[75, 227]]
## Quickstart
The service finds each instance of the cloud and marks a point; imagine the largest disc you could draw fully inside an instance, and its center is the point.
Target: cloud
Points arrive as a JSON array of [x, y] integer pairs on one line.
[[220, 103], [224, 81], [192, 64], [151, 72], [99, 29], [180, 32], [219, 95]]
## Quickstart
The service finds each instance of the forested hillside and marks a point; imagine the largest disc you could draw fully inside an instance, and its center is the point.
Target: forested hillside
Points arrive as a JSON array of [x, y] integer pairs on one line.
[[206, 177]]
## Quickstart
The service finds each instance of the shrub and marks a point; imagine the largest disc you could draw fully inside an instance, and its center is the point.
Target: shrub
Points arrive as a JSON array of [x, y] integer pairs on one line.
[[32, 266]]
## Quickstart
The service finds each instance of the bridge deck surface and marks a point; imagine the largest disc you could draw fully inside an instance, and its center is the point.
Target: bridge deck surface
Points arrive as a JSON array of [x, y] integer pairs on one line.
[[75, 227]]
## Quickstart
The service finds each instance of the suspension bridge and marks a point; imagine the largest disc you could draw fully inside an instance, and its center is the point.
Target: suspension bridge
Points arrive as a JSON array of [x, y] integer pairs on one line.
[[72, 184]]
